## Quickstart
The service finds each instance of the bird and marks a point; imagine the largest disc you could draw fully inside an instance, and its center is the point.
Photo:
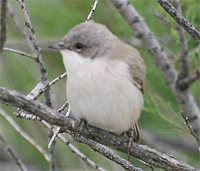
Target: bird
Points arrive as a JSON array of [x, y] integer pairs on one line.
[[105, 78]]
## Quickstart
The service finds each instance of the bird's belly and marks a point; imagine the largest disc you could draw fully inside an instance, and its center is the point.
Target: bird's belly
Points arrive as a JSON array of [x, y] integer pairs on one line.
[[107, 101]]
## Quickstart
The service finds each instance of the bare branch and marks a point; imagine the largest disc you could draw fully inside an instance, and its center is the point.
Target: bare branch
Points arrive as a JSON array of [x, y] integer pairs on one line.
[[19, 52], [34, 41], [67, 124], [188, 125], [20, 28], [180, 19], [160, 58], [184, 55], [57, 130], [92, 10], [3, 23], [24, 134], [63, 107], [39, 91], [23, 114], [75, 150], [35, 93], [71, 146], [52, 152], [187, 82], [14, 155], [105, 152]]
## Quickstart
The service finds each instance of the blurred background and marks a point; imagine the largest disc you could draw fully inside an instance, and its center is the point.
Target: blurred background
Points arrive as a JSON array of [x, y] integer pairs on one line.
[[161, 123]]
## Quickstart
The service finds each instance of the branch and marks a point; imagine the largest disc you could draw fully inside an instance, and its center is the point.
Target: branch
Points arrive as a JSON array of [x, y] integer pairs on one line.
[[34, 41], [105, 152], [40, 88], [180, 19], [74, 149], [19, 52], [13, 153], [160, 58], [20, 28], [187, 82], [149, 155], [24, 134], [92, 10], [54, 118], [184, 55], [40, 149], [188, 124]]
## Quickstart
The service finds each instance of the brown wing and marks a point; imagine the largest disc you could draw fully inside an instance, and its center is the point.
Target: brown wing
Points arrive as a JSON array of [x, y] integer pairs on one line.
[[136, 63]]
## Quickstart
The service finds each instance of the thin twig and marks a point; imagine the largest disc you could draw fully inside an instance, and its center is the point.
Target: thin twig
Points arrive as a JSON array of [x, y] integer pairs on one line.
[[82, 161], [184, 56], [63, 107], [19, 52], [187, 122], [13, 153], [20, 28], [55, 134], [52, 152], [34, 41], [92, 10], [74, 149], [35, 93], [3, 23], [24, 134], [180, 19]]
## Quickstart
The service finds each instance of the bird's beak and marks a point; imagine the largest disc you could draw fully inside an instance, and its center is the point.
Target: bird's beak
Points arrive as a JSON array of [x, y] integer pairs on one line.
[[57, 46]]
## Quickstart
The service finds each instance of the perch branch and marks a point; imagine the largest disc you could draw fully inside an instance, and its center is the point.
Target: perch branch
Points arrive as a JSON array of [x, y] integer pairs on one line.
[[147, 154], [74, 149], [105, 152]]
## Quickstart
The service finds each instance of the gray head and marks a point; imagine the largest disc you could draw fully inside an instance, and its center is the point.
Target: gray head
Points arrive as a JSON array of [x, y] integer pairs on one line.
[[88, 39]]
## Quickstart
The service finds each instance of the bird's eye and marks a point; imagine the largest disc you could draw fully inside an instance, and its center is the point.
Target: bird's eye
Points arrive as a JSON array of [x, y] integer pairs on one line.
[[78, 47]]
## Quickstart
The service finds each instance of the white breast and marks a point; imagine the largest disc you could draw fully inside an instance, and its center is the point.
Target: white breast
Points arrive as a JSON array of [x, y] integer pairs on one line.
[[100, 91]]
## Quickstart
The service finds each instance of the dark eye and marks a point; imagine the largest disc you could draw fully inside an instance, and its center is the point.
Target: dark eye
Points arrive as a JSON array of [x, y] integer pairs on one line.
[[78, 47]]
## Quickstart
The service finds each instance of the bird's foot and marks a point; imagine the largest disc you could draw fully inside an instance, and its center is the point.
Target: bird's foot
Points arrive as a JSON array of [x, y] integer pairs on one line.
[[133, 136], [83, 125]]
